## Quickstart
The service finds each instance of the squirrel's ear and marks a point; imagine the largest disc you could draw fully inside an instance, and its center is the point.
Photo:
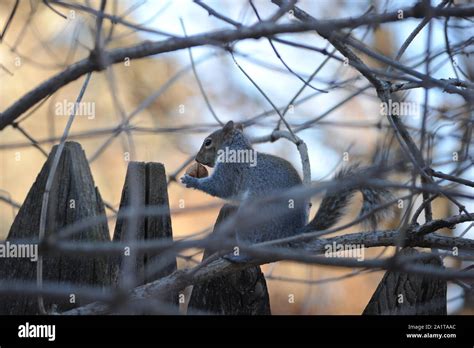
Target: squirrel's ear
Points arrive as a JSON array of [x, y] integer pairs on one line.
[[239, 127], [228, 126]]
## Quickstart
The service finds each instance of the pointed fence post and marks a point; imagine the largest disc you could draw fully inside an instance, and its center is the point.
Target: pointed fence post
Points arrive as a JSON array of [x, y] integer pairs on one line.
[[73, 197], [400, 293], [240, 293], [151, 190]]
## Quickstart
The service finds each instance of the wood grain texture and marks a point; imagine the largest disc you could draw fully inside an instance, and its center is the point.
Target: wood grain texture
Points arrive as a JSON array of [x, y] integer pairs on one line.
[[73, 197], [243, 292], [400, 293], [151, 190]]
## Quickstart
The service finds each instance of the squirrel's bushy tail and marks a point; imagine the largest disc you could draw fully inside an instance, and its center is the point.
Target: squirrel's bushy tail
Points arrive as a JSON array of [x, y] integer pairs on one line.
[[336, 200]]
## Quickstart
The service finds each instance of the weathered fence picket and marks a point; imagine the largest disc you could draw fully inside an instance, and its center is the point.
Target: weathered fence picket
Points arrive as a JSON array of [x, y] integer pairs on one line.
[[400, 293], [240, 293], [151, 191], [73, 197]]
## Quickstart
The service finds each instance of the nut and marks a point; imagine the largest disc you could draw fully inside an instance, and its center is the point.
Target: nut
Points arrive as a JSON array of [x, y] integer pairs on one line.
[[197, 170]]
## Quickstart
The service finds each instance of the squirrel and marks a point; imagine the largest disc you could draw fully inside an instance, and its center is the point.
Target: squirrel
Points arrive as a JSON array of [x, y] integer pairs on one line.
[[257, 175]]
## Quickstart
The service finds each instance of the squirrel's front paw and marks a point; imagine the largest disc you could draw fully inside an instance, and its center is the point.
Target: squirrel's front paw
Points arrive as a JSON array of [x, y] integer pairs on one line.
[[189, 181]]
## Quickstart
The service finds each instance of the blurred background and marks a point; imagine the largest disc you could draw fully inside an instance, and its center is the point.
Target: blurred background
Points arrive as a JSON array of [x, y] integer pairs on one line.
[[170, 117]]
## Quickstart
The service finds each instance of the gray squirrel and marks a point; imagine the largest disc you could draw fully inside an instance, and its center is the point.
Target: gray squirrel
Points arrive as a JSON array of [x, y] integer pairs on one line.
[[260, 175]]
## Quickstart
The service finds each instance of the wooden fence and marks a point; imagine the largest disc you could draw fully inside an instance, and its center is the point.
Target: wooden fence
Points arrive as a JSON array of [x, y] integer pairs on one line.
[[74, 197]]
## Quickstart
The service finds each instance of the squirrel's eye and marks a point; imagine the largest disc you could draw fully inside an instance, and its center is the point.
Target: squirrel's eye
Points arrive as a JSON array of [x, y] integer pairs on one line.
[[207, 142]]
